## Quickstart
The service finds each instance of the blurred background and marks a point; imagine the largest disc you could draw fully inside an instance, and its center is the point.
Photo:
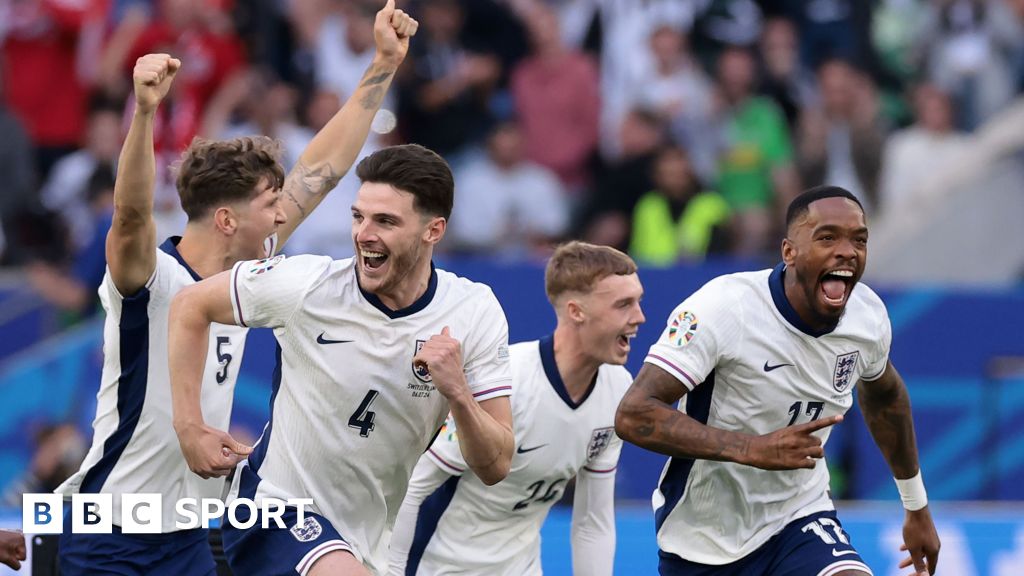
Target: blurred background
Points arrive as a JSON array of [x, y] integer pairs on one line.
[[676, 130]]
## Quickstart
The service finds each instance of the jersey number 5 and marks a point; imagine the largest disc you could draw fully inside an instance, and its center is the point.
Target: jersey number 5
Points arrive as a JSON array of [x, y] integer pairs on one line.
[[362, 418], [223, 359]]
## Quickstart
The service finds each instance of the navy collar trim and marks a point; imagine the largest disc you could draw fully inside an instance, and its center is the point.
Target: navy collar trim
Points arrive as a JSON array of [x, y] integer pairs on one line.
[[409, 310], [547, 360], [170, 246], [778, 288]]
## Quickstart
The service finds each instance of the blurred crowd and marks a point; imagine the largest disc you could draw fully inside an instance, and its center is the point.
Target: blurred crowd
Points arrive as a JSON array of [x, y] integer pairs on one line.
[[672, 129]]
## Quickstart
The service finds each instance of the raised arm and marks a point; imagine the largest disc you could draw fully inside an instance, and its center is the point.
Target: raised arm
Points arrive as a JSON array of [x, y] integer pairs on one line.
[[885, 404], [647, 417], [131, 241], [485, 428], [208, 451], [335, 147]]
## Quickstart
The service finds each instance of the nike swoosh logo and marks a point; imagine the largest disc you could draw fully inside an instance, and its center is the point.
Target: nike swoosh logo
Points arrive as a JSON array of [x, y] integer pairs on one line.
[[521, 450], [843, 553], [768, 368], [321, 340]]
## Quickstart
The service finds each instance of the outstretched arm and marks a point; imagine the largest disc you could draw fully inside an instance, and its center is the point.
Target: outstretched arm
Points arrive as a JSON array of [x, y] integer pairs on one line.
[[885, 404], [426, 478], [593, 524], [131, 241], [646, 417], [208, 451], [334, 149]]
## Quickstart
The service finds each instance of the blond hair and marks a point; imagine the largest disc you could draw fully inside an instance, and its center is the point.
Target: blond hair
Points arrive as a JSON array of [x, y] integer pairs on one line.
[[579, 266]]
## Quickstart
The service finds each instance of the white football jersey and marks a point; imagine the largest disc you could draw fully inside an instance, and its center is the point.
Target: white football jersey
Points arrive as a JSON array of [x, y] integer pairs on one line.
[[465, 527], [350, 414], [753, 366], [134, 447]]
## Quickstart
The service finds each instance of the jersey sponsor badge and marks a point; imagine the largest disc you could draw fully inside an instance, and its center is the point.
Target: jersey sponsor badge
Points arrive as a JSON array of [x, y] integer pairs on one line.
[[310, 529], [265, 265], [421, 371], [682, 328], [845, 365], [600, 438]]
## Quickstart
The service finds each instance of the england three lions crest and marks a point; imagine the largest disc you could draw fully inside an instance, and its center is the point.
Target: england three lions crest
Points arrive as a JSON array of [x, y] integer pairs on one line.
[[599, 440], [421, 371], [846, 365]]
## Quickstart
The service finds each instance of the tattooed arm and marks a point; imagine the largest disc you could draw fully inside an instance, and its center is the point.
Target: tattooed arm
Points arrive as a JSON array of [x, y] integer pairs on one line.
[[334, 149], [885, 404], [647, 417]]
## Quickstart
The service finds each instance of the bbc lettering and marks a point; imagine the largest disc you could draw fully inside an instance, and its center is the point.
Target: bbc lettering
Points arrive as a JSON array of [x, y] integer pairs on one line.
[[143, 513]]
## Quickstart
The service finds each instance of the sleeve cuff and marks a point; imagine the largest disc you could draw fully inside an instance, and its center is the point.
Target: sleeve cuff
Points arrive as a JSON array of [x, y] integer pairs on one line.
[[494, 389], [444, 464], [236, 302], [670, 367]]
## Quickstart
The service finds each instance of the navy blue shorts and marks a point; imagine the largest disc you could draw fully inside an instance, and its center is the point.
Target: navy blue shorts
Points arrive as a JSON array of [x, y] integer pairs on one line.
[[814, 545], [277, 551], [184, 553]]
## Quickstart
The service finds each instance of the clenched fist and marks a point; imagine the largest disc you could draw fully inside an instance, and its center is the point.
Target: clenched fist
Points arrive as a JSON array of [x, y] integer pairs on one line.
[[152, 78], [391, 31], [442, 357]]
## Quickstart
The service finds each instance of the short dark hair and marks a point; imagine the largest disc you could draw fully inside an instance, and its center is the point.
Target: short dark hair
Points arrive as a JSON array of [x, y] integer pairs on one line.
[[578, 266], [414, 169], [801, 204], [215, 172]]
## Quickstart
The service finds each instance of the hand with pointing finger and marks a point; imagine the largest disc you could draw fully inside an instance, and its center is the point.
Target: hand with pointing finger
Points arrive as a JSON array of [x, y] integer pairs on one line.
[[790, 448], [210, 452], [442, 357], [152, 77]]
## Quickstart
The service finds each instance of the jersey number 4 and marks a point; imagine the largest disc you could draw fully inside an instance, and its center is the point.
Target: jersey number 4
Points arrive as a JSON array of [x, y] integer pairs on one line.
[[362, 418]]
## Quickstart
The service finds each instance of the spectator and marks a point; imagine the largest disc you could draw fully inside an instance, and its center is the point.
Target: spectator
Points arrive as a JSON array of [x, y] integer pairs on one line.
[[260, 104], [508, 206], [756, 173], [65, 192], [606, 217], [914, 155], [675, 86], [445, 93], [841, 142], [18, 191], [74, 291], [60, 449], [786, 80], [557, 99], [38, 44], [678, 219], [967, 43]]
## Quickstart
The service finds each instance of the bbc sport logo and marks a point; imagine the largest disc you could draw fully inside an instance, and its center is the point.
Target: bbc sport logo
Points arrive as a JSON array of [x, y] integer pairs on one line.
[[143, 513]]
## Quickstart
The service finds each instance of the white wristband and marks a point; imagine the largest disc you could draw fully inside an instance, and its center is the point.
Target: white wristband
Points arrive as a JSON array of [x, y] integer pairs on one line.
[[912, 492]]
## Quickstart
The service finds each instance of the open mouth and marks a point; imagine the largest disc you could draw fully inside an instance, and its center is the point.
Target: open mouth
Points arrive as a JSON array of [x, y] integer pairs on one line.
[[623, 339], [836, 286], [373, 260]]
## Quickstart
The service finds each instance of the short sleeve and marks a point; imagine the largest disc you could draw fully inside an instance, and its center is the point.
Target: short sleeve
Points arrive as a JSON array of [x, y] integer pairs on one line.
[[445, 451], [265, 293], [699, 332], [487, 367], [880, 357]]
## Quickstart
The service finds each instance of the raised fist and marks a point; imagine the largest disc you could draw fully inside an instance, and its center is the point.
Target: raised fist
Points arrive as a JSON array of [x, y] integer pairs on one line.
[[152, 78]]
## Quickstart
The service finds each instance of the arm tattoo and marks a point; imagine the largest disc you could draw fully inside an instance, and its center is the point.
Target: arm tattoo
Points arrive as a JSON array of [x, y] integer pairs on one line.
[[886, 408], [374, 96], [310, 182], [377, 79]]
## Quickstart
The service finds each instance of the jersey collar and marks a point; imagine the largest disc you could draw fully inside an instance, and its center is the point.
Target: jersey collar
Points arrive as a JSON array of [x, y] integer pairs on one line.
[[409, 310], [170, 246], [547, 359], [778, 289]]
